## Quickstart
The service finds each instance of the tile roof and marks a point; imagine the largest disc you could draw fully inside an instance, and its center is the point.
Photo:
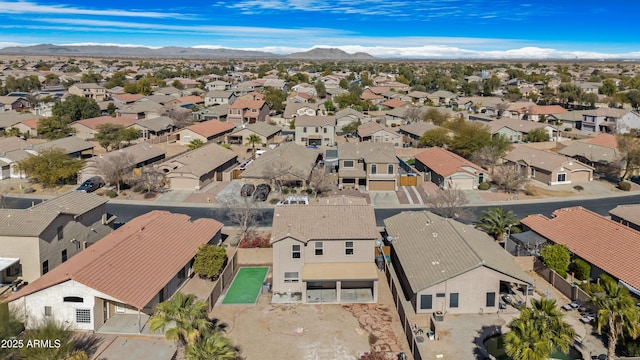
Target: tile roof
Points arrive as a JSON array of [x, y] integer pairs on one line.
[[540, 159], [69, 144], [211, 128], [370, 152], [74, 203], [523, 126], [432, 249], [31, 123], [92, 123], [296, 160], [261, 128], [371, 127], [10, 143], [157, 124], [630, 213], [247, 104], [606, 140], [127, 98], [394, 103], [191, 99], [200, 161], [141, 152], [20, 222], [591, 152], [307, 120], [608, 112], [602, 242], [134, 262], [418, 128], [324, 222], [446, 163]]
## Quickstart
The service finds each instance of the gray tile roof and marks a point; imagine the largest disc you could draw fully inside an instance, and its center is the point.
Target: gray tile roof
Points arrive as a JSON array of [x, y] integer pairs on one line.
[[306, 120], [591, 152], [73, 202], [432, 249], [630, 213], [261, 128], [296, 160], [18, 222], [11, 143], [370, 152], [324, 222], [157, 124], [70, 145], [200, 161]]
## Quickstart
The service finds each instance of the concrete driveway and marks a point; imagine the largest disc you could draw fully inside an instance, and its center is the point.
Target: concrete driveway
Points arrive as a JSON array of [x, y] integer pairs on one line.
[[384, 198]]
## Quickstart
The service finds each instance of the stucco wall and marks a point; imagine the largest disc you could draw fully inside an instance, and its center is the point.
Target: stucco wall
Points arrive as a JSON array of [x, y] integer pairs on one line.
[[255, 256]]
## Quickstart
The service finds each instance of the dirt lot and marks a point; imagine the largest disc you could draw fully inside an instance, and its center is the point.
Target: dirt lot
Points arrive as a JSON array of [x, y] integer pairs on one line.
[[296, 331]]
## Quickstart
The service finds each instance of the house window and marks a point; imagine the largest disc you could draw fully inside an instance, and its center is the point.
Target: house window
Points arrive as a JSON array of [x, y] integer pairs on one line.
[[64, 255], [47, 311], [426, 302], [60, 232], [45, 267], [119, 308], [295, 251], [491, 299], [347, 163], [161, 296], [374, 168], [83, 316], [182, 274], [319, 247], [453, 300], [348, 248], [390, 169], [75, 299], [325, 130], [533, 172], [440, 295], [291, 277], [317, 129], [562, 177], [304, 129]]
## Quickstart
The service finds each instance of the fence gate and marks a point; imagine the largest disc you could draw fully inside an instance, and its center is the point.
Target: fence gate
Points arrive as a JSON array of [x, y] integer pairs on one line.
[[408, 180]]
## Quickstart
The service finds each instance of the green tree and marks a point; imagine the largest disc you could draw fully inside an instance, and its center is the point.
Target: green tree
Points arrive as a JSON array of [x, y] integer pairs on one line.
[[111, 109], [252, 140], [537, 135], [634, 98], [182, 318], [608, 87], [52, 166], [497, 221], [321, 90], [489, 155], [109, 135], [129, 134], [195, 143], [76, 108], [435, 137], [209, 260], [52, 79], [10, 326], [629, 148], [469, 137], [275, 98], [90, 77], [52, 128], [556, 257], [434, 116], [212, 345], [617, 312], [351, 127], [581, 269]]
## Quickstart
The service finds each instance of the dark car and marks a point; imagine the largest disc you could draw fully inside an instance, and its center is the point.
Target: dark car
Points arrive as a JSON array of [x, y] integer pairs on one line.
[[247, 190], [263, 187], [635, 179], [262, 192], [91, 184]]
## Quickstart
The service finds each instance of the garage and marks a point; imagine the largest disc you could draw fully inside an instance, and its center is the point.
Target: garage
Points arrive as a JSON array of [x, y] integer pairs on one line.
[[382, 185], [463, 183], [581, 176]]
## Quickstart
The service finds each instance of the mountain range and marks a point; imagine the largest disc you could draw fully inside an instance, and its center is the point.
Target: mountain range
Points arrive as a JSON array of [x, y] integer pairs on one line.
[[177, 52]]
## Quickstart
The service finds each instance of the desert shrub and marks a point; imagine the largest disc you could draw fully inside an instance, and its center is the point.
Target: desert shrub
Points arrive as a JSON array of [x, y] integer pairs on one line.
[[375, 355], [578, 188], [309, 191], [285, 191], [149, 195], [111, 193], [293, 191], [254, 242], [624, 186], [484, 186], [411, 162], [137, 188], [530, 191], [591, 288]]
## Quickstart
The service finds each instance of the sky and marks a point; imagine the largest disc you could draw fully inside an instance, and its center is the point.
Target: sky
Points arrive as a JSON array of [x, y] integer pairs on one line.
[[447, 29]]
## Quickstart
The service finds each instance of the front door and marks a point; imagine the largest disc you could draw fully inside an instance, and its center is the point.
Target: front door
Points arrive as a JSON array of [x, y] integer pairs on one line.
[[105, 311]]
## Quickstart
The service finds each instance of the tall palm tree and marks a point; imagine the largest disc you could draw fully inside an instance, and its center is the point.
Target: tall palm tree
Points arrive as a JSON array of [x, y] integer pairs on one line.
[[212, 346], [496, 220], [618, 312], [182, 318], [252, 140], [524, 342]]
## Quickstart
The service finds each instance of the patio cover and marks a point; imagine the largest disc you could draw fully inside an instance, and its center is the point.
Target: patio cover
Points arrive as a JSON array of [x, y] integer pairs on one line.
[[340, 271], [7, 262]]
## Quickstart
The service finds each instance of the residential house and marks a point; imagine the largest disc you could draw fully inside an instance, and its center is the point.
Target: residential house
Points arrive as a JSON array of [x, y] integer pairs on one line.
[[319, 254], [12, 150], [374, 98], [547, 167], [293, 110], [288, 163], [88, 90], [600, 152], [88, 128], [125, 99], [413, 132], [348, 115], [187, 102], [122, 277], [47, 234], [247, 111], [28, 127], [10, 119], [70, 145], [374, 132], [315, 130], [393, 103], [447, 267], [170, 91], [155, 127], [137, 156], [197, 168], [442, 97], [268, 134], [448, 170], [513, 129], [142, 109], [210, 130], [372, 165], [418, 97], [628, 215], [218, 85], [217, 112], [219, 97], [14, 103], [609, 120], [610, 247]]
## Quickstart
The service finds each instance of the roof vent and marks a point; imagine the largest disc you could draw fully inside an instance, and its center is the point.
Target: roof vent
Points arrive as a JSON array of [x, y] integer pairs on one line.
[[435, 235]]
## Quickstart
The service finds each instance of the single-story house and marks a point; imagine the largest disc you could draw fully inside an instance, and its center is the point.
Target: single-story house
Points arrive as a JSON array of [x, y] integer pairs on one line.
[[88, 128], [448, 170], [267, 133], [126, 274], [197, 168], [71, 145], [205, 131], [449, 267], [154, 127], [413, 132], [288, 162], [547, 167], [628, 215], [137, 155], [600, 152]]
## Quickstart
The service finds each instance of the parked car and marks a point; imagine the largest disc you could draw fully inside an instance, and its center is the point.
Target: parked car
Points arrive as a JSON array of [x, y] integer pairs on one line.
[[635, 179], [247, 190], [91, 184], [262, 192], [298, 200], [507, 299]]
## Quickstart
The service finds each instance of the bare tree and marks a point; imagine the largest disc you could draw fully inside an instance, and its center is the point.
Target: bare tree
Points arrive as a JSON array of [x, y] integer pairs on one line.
[[319, 181], [450, 203], [242, 212], [182, 117], [412, 114], [280, 172], [151, 178], [509, 179], [116, 168]]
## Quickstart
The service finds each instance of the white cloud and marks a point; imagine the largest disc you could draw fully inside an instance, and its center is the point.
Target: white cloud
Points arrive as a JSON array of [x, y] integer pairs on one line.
[[28, 7]]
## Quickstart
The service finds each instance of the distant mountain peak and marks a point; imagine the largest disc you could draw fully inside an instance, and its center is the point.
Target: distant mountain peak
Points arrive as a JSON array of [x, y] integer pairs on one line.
[[329, 54]]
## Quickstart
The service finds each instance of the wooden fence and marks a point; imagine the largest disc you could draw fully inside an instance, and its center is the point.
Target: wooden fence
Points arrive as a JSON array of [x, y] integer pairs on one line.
[[225, 279]]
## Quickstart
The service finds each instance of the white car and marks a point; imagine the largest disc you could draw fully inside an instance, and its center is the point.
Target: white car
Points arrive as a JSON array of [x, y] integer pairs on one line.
[[587, 319]]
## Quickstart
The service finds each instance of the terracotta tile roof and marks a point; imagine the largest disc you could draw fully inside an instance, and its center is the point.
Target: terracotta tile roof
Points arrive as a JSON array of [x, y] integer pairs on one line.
[[192, 99], [604, 243], [394, 103], [127, 98], [133, 263], [211, 128], [606, 140], [324, 222], [547, 110], [92, 123], [31, 123], [379, 89], [247, 104], [368, 95], [446, 163]]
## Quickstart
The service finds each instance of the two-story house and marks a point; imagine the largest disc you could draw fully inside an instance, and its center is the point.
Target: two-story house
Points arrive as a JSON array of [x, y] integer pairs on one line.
[[315, 130], [320, 255], [247, 111], [46, 235], [372, 165], [89, 90], [608, 120], [219, 97]]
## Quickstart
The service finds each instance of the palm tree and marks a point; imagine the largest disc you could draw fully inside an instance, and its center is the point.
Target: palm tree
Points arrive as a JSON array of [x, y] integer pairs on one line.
[[252, 140], [212, 346], [495, 221], [182, 318], [618, 312], [195, 143], [523, 342]]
